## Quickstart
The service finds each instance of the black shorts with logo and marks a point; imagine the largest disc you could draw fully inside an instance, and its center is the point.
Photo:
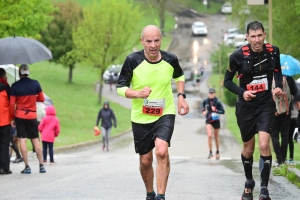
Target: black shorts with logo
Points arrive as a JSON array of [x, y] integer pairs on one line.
[[27, 128], [145, 134], [253, 119]]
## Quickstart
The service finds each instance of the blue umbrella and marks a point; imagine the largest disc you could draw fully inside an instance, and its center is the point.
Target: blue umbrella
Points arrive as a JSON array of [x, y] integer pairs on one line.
[[290, 66]]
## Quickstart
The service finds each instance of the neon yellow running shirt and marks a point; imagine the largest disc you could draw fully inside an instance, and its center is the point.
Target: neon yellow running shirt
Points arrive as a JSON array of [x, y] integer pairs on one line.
[[138, 73]]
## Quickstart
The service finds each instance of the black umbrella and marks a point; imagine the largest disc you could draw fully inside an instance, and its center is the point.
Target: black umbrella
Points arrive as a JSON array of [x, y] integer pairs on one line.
[[20, 50]]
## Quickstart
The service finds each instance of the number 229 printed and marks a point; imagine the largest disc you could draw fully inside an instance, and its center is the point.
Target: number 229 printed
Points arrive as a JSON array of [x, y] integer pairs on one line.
[[152, 111]]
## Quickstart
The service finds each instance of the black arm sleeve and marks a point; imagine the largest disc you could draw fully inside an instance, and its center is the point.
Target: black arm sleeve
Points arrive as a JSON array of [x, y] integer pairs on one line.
[[230, 85], [230, 73]]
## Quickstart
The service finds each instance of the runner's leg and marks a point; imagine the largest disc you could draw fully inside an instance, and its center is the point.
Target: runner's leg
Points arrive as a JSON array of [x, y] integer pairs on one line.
[[209, 129], [163, 165], [247, 159], [265, 161], [146, 170], [217, 139]]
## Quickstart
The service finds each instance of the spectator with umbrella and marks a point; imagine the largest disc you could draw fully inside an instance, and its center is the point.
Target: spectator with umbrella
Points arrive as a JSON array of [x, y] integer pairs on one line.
[[25, 92]]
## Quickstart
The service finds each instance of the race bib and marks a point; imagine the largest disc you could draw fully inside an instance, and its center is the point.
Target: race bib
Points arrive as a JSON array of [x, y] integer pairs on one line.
[[214, 116], [153, 107], [259, 84]]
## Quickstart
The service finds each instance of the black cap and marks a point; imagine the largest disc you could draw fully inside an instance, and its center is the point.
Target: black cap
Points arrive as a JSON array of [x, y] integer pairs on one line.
[[211, 90]]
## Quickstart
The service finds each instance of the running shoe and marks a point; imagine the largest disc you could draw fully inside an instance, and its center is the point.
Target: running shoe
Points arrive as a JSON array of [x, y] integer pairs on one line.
[[264, 194], [27, 170], [103, 147], [42, 169], [248, 191], [277, 164], [45, 162], [217, 156], [291, 162], [52, 163], [210, 156], [159, 198], [152, 197], [107, 149], [18, 160]]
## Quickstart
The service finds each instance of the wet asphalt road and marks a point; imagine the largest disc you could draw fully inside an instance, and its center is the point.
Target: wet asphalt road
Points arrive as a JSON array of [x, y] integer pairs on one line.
[[90, 173]]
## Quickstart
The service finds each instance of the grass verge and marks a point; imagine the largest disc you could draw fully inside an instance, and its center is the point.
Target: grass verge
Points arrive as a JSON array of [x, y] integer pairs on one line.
[[76, 103]]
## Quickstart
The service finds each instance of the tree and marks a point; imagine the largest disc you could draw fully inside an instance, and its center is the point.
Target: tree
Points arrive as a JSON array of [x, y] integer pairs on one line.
[[58, 35], [109, 29], [24, 18]]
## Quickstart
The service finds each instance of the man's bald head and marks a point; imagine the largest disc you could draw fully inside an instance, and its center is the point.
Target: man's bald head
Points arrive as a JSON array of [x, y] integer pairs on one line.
[[150, 28]]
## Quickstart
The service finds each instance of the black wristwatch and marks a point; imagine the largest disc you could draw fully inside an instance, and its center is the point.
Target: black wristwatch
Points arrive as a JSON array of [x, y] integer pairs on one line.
[[182, 94]]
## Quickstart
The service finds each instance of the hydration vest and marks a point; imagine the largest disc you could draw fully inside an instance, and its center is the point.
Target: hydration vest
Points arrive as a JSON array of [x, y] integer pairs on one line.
[[268, 55]]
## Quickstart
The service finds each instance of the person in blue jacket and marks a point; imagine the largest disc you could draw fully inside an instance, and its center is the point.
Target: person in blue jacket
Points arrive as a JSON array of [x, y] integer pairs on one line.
[[211, 108], [106, 114]]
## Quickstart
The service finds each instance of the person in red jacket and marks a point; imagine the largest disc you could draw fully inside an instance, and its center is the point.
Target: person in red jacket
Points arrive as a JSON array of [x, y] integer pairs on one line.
[[23, 97], [49, 129], [5, 126]]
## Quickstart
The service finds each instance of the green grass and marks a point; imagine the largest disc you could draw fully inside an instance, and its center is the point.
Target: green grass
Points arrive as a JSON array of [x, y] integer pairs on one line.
[[76, 103]]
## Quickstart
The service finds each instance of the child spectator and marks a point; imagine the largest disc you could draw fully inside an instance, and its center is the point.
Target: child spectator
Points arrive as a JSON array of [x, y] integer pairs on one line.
[[49, 129]]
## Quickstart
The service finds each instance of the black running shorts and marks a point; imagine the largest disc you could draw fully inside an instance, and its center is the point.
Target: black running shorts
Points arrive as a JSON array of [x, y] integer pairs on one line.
[[26, 128], [144, 134], [215, 124], [253, 119]]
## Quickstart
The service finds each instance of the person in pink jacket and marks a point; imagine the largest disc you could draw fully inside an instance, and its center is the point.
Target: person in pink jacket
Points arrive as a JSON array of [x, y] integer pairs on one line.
[[49, 129]]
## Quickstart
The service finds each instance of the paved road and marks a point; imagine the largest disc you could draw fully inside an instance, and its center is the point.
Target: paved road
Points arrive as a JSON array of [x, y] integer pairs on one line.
[[90, 173]]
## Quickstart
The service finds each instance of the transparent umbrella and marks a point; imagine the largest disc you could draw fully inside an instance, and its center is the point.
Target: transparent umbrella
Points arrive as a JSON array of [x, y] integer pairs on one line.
[[12, 73]]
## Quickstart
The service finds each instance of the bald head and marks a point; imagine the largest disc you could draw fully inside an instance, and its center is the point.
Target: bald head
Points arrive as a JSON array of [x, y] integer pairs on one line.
[[150, 28]]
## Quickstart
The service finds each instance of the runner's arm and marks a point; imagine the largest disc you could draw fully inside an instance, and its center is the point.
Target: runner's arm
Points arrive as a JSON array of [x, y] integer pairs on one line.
[[230, 73], [220, 108]]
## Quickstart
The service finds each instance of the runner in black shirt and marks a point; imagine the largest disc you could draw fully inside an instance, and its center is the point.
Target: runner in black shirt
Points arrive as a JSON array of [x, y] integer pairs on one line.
[[255, 108]]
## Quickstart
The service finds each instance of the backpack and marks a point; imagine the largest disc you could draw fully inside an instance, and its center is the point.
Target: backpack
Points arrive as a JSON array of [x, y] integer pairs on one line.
[[283, 102]]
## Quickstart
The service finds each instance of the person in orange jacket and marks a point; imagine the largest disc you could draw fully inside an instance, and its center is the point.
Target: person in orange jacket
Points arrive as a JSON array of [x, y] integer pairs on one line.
[[5, 124]]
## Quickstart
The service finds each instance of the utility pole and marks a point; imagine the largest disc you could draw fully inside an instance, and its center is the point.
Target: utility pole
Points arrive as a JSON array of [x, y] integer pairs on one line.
[[270, 23], [220, 63]]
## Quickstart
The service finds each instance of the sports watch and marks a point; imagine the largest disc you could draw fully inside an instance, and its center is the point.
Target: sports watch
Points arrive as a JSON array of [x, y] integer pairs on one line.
[[182, 94]]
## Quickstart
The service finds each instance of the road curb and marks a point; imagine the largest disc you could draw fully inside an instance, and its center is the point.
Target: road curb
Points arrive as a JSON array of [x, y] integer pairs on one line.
[[84, 144]]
